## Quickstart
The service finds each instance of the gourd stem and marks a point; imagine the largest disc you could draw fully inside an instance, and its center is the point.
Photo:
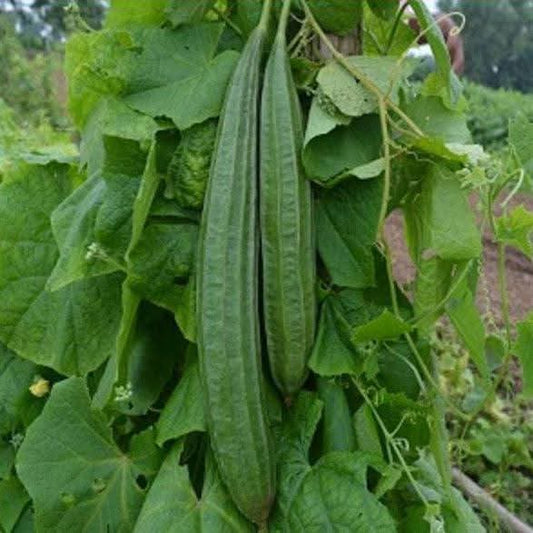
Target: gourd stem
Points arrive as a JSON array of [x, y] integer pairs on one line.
[[265, 15], [284, 18]]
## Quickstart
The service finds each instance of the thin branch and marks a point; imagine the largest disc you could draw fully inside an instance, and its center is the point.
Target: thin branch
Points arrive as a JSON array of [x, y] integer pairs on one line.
[[479, 496]]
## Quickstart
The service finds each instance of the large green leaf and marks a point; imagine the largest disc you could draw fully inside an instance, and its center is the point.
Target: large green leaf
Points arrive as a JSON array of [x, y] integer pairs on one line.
[[153, 350], [124, 13], [348, 94], [331, 150], [71, 330], [74, 472], [385, 326], [191, 74], [97, 65], [184, 410], [337, 432], [73, 223], [111, 117], [467, 320], [516, 228], [438, 121], [376, 37], [347, 224], [93, 225], [457, 514], [172, 505], [137, 65], [333, 354], [13, 499], [162, 261], [439, 220], [330, 495]]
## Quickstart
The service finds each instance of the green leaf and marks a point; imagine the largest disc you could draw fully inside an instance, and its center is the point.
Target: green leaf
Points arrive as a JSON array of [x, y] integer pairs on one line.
[[347, 219], [521, 139], [117, 370], [385, 326], [247, 15], [124, 13], [433, 279], [376, 37], [137, 66], [184, 410], [337, 16], [333, 354], [26, 522], [71, 330], [334, 496], [162, 261], [384, 9], [93, 225], [172, 505], [73, 224], [13, 499], [192, 74], [397, 369], [465, 317], [17, 404], [523, 348], [111, 117], [439, 220], [74, 472], [337, 430], [366, 431], [97, 65], [330, 495], [458, 515], [515, 229], [341, 148], [444, 82], [154, 348], [7, 458], [187, 11], [438, 121], [369, 170], [348, 94]]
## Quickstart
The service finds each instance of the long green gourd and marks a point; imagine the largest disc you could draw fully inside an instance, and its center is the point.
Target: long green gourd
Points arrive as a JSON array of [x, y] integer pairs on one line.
[[286, 224], [227, 298]]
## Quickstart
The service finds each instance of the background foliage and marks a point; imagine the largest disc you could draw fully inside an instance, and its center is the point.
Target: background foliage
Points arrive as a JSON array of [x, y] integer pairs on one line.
[[498, 42]]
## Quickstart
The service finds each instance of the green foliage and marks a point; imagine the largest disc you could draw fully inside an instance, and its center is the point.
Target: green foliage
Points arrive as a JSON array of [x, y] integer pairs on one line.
[[29, 81], [49, 21], [491, 110], [128, 402]]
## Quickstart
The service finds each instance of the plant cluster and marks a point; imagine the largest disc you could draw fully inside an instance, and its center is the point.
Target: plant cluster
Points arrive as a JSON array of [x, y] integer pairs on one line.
[[200, 329]]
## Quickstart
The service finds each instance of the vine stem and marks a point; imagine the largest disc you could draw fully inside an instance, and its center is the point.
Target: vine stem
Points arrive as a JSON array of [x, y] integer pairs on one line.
[[390, 442], [502, 282], [228, 21]]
